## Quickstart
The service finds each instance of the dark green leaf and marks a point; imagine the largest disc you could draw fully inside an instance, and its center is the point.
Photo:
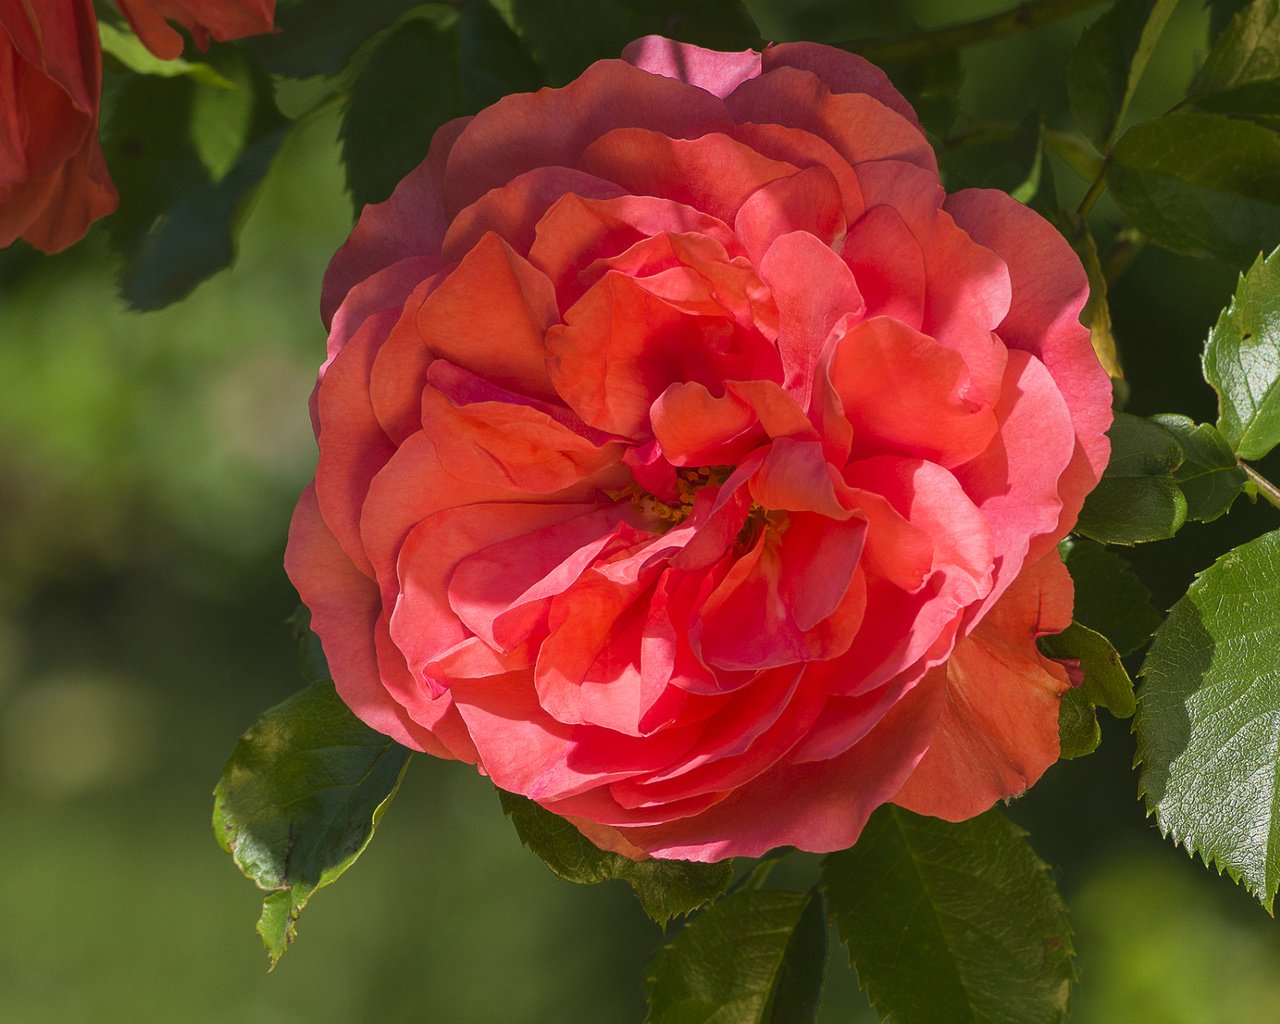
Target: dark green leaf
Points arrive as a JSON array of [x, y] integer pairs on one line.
[[718, 24], [1208, 718], [952, 923], [1078, 730], [756, 957], [601, 30], [1242, 362], [1012, 165], [1137, 499], [665, 888], [319, 37], [311, 660], [1110, 599], [1220, 14], [492, 60], [1109, 60], [299, 800], [1242, 72], [1209, 476], [1106, 683], [406, 89], [188, 158], [1200, 184]]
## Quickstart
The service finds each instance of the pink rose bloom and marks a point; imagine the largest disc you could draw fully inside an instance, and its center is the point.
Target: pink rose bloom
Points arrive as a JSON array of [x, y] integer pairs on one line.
[[693, 465]]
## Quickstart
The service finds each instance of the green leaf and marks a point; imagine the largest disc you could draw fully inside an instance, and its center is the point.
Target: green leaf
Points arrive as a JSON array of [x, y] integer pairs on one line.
[[1137, 499], [1210, 477], [756, 957], [319, 37], [1242, 362], [1200, 184], [952, 923], [129, 50], [1106, 683], [602, 29], [1109, 60], [491, 59], [406, 89], [1078, 730], [1096, 314], [1208, 721], [1241, 75], [1110, 599], [717, 24], [299, 800], [665, 888], [1220, 14], [188, 158], [1013, 165]]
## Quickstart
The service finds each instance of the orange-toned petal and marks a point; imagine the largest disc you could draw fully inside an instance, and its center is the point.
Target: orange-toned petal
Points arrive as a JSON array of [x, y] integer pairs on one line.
[[999, 726]]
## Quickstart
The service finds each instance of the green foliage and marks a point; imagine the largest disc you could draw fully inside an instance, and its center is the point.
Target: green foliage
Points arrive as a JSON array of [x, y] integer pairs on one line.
[[1078, 730], [1241, 75], [299, 800], [188, 157], [1137, 499], [1209, 476], [1209, 716], [1014, 165], [756, 957], [1200, 184], [1242, 362], [665, 888], [129, 50], [406, 89], [952, 923], [491, 59], [603, 29], [717, 24], [319, 37], [1109, 60], [1110, 599], [1106, 683]]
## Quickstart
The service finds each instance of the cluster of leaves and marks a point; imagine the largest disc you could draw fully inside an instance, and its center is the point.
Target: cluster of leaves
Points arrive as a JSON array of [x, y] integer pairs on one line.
[[942, 921]]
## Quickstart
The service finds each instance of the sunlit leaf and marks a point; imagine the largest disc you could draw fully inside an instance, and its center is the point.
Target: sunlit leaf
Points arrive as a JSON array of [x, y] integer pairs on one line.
[[1242, 362], [1208, 721], [299, 800]]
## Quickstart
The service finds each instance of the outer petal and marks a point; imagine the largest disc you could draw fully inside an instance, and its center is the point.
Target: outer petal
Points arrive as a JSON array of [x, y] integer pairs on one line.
[[999, 725], [344, 610], [1049, 290], [221, 19], [716, 72]]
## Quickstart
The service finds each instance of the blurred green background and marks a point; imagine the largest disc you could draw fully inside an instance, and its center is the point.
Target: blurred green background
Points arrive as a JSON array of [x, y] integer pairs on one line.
[[148, 467]]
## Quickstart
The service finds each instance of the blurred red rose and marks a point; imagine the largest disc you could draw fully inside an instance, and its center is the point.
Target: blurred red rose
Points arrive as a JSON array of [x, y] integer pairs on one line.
[[53, 180], [691, 463], [204, 19]]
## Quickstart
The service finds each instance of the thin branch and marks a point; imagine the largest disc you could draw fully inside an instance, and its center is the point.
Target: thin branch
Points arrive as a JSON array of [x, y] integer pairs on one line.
[[929, 42], [1265, 487]]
